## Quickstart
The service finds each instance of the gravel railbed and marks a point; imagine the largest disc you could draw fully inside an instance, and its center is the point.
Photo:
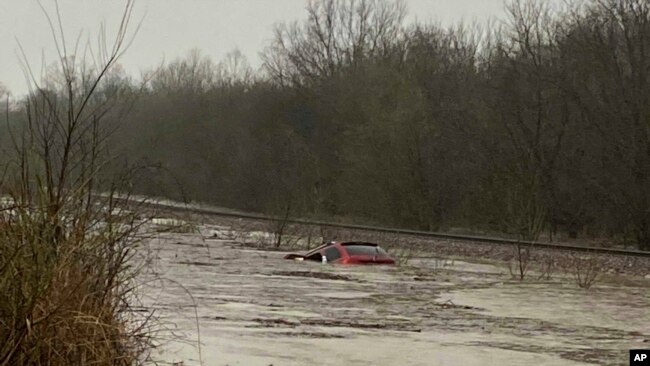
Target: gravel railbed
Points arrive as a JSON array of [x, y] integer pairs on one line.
[[565, 259]]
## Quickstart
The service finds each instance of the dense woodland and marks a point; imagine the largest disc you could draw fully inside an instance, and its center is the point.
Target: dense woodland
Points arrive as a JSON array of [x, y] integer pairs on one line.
[[535, 125]]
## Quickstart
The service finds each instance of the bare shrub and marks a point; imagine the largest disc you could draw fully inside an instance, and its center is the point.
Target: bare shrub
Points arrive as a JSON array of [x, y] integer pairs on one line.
[[400, 248], [547, 268], [279, 226], [403, 255], [585, 269], [238, 228], [67, 269], [294, 237], [68, 284], [518, 266]]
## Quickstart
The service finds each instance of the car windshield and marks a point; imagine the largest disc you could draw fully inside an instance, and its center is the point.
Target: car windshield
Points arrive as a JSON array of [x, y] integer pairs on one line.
[[360, 249]]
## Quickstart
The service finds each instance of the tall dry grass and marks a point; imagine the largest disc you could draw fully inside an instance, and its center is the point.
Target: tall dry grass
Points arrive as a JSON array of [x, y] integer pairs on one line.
[[67, 265], [66, 282]]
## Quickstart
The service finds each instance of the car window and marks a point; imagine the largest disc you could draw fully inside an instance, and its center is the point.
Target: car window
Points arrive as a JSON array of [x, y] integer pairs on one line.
[[360, 249], [316, 256], [332, 254]]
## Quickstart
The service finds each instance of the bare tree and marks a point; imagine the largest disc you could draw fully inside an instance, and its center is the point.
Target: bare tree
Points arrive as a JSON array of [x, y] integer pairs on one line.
[[337, 33], [235, 70], [611, 39], [192, 74]]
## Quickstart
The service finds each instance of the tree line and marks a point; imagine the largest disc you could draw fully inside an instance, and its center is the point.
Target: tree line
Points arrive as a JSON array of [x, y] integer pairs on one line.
[[538, 125]]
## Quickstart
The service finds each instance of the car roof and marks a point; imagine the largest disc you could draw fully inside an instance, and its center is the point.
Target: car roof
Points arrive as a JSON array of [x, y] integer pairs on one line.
[[334, 243], [359, 243]]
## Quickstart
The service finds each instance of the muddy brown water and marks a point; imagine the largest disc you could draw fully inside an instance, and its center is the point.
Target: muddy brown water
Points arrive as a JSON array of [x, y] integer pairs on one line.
[[251, 307]]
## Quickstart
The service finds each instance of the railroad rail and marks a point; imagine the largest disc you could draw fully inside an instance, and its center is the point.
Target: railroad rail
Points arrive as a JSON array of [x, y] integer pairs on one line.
[[430, 234]]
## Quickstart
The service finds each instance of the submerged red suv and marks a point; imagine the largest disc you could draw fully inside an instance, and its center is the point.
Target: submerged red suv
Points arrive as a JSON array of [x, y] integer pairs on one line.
[[346, 253]]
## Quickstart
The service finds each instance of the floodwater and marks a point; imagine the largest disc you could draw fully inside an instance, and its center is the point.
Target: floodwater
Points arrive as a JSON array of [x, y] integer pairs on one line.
[[251, 307]]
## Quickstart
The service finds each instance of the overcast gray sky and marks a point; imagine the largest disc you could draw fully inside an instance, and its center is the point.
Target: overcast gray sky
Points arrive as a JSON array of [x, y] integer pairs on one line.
[[171, 28]]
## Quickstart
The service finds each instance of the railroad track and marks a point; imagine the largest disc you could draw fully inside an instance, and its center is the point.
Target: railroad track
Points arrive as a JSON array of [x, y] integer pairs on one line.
[[438, 235]]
